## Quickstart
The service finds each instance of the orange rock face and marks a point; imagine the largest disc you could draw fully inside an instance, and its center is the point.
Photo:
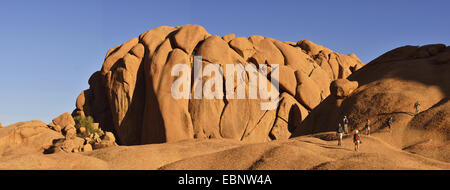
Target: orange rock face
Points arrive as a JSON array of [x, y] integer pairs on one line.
[[130, 95], [390, 86]]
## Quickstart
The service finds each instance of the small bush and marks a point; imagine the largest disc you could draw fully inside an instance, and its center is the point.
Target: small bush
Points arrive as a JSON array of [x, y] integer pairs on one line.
[[81, 121], [86, 122]]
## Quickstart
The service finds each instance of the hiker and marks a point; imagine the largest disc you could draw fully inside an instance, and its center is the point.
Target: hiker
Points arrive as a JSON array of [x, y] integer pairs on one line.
[[368, 127], [356, 140], [389, 122], [345, 121], [416, 106], [339, 134]]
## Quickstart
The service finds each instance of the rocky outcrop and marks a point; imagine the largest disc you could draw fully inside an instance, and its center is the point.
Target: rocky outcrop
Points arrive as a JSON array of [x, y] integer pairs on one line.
[[74, 144], [63, 123], [342, 88], [290, 114], [26, 137], [107, 140], [390, 86], [60, 135], [130, 95], [80, 135], [307, 91]]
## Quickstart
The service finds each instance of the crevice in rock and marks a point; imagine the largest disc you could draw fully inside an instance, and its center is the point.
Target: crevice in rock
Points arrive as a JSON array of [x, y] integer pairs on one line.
[[236, 51], [310, 73], [171, 38], [221, 117], [247, 133], [331, 67]]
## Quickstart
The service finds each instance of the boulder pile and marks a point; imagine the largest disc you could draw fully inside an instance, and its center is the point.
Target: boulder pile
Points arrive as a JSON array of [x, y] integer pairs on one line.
[[80, 136]]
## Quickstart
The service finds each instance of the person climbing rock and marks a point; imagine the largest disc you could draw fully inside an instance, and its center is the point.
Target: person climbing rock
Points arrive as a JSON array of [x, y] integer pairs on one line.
[[416, 106], [368, 127], [340, 134], [345, 121], [356, 140], [389, 122]]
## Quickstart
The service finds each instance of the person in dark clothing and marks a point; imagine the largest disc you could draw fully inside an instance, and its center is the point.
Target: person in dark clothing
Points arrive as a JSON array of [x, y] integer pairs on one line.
[[339, 134], [416, 106], [368, 127], [389, 122], [356, 140]]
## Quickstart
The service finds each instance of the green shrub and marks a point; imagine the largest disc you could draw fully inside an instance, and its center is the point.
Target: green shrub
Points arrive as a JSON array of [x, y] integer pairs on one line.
[[86, 122]]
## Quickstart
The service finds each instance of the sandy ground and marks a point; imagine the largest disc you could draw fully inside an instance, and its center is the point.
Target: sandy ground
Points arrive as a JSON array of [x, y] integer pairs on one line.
[[300, 153]]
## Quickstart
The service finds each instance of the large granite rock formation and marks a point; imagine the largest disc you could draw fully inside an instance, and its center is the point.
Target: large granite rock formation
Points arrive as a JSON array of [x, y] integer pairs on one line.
[[130, 95]]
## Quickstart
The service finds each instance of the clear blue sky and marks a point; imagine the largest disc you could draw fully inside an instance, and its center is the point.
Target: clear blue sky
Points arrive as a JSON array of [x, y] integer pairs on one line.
[[48, 49]]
